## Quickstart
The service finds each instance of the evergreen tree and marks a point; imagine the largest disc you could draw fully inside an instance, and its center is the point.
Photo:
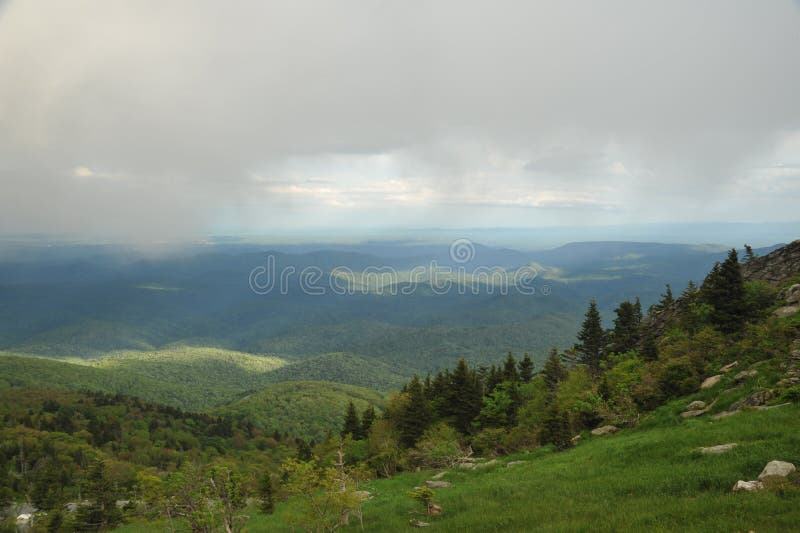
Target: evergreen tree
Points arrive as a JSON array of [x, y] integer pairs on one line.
[[352, 424], [266, 493], [303, 449], [592, 340], [415, 416], [510, 369], [493, 379], [666, 299], [649, 347], [102, 512], [526, 369], [748, 253], [367, 418], [466, 397], [625, 335], [723, 289], [553, 372], [556, 428], [637, 312]]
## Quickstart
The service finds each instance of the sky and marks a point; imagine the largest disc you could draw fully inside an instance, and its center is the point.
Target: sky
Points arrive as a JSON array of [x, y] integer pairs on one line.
[[156, 120]]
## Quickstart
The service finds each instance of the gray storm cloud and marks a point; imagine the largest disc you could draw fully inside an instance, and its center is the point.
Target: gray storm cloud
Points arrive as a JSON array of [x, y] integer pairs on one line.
[[147, 119]]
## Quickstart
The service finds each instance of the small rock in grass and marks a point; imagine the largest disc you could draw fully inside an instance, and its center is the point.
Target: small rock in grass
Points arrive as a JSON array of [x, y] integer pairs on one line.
[[748, 486], [416, 523], [696, 405], [440, 475], [438, 484], [744, 374], [719, 448], [777, 468], [491, 462], [710, 382], [604, 430], [512, 463], [728, 367]]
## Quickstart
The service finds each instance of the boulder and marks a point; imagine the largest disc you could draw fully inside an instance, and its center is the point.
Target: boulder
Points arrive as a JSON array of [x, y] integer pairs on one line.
[[711, 381], [788, 310], [719, 448], [604, 430], [777, 468], [793, 294], [438, 484], [696, 405], [748, 486], [727, 368], [467, 466], [757, 398], [744, 374], [512, 463]]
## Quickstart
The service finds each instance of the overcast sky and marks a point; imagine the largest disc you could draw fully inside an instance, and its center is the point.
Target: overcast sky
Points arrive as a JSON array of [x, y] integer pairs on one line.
[[143, 119]]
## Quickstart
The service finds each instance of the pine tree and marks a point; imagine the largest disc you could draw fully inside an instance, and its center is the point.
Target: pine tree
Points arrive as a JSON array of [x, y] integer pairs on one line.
[[637, 312], [748, 253], [556, 428], [352, 424], [266, 492], [415, 416], [510, 369], [649, 347], [526, 369], [102, 512], [553, 372], [723, 289], [592, 340], [625, 335], [666, 299], [466, 397], [367, 418], [303, 449]]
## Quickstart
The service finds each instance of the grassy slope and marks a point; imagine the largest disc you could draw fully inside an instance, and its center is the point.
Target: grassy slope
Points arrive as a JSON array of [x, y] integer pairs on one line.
[[638, 480], [307, 408], [342, 368]]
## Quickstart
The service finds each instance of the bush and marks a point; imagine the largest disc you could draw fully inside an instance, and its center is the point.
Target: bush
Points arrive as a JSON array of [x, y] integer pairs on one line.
[[677, 377], [438, 447], [490, 441]]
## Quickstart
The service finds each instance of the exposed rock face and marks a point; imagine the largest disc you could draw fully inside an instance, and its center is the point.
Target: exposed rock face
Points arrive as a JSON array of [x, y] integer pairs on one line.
[[775, 268], [719, 448], [792, 294], [711, 381], [757, 398], [748, 486], [777, 468], [696, 405], [604, 430], [744, 374]]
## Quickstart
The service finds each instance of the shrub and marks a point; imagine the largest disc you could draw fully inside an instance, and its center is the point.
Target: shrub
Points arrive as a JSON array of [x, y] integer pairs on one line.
[[438, 447], [490, 441]]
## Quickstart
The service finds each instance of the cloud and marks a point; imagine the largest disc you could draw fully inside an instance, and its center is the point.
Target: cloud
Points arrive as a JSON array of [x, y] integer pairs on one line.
[[285, 114]]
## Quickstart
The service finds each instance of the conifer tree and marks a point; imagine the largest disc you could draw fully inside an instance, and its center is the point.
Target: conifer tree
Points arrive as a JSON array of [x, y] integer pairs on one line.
[[556, 428], [267, 494], [415, 416], [553, 372], [367, 418], [748, 253], [592, 340], [625, 335], [352, 424], [649, 348], [724, 290], [466, 397], [526, 369], [510, 369], [102, 512]]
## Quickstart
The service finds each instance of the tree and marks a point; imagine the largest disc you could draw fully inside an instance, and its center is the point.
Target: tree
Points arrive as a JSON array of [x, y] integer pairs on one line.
[[367, 419], [465, 397], [266, 493], [625, 335], [748, 253], [724, 290], [102, 512], [526, 369], [352, 424], [415, 414], [649, 347], [553, 372], [591, 339], [556, 429], [510, 369], [226, 494]]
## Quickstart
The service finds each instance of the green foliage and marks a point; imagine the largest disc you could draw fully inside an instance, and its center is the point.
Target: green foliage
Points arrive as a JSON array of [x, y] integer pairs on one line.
[[526, 369], [625, 335], [724, 290], [352, 424], [423, 496], [438, 447], [591, 339], [266, 493]]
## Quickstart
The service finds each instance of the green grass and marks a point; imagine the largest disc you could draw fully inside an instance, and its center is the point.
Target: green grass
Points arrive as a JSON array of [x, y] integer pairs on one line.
[[637, 480]]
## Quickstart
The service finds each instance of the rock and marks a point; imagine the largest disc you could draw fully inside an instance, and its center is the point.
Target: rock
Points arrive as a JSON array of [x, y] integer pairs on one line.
[[788, 310], [692, 414], [435, 509], [696, 405], [575, 439], [438, 484], [467, 466], [777, 468], [744, 374], [440, 475], [24, 518], [748, 486], [512, 463], [487, 463], [727, 368], [719, 448], [710, 382], [604, 430], [793, 294], [416, 523], [757, 398]]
